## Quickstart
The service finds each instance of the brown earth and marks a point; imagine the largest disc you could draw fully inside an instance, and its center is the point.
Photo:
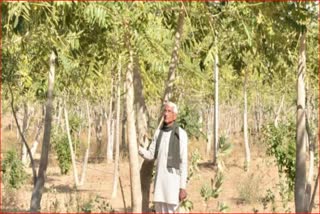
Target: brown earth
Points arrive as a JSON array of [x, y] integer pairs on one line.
[[238, 186]]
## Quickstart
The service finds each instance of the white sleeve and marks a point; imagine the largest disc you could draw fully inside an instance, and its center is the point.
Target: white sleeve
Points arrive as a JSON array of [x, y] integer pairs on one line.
[[184, 158], [148, 154]]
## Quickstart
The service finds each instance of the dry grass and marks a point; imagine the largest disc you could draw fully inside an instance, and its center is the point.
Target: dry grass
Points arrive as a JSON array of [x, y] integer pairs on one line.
[[250, 189]]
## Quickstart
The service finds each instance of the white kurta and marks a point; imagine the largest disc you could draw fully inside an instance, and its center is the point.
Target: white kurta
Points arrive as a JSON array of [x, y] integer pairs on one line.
[[168, 184]]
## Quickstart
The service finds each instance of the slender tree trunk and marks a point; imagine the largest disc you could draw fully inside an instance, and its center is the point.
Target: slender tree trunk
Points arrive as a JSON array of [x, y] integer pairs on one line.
[[38, 187], [245, 123], [257, 114], [98, 129], [59, 112], [34, 173], [216, 109], [209, 130], [124, 125], [311, 144], [117, 135], [311, 165], [19, 121], [300, 175], [86, 156], [147, 166], [174, 58], [132, 138], [112, 139], [278, 112], [80, 113], [110, 124], [73, 157], [35, 143], [24, 132], [142, 115], [314, 193]]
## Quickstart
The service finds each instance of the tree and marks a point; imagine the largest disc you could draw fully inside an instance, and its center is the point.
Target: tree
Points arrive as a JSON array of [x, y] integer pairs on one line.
[[39, 185], [147, 166], [86, 156], [72, 154], [216, 108], [132, 138], [300, 178], [117, 134]]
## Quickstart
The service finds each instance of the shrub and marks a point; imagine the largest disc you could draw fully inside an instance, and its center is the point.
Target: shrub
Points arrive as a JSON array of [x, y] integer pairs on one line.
[[193, 168], [281, 144], [188, 119], [14, 174], [74, 123], [269, 198], [249, 189], [213, 190], [61, 146], [225, 146], [98, 204], [186, 206]]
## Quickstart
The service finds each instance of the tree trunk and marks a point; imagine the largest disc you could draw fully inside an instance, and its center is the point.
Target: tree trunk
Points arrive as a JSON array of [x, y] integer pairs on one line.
[[300, 175], [112, 140], [34, 173], [258, 114], [35, 143], [216, 109], [245, 123], [110, 130], [59, 106], [314, 193], [86, 156], [147, 166], [174, 58], [80, 113], [117, 136], [132, 138], [124, 125], [278, 112], [98, 129], [38, 187], [19, 122], [140, 105], [209, 130], [311, 165], [24, 132], [73, 158]]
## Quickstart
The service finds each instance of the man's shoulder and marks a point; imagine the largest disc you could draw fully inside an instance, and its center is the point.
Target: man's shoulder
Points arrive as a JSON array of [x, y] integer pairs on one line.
[[182, 132]]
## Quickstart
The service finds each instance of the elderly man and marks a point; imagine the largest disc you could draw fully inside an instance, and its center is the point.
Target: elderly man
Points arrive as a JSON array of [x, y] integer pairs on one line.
[[169, 148]]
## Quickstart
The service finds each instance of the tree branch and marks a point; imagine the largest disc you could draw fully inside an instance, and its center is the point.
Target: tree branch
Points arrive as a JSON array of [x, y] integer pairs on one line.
[[23, 138]]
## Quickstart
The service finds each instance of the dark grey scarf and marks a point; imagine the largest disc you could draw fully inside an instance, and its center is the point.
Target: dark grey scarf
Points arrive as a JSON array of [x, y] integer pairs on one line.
[[173, 160]]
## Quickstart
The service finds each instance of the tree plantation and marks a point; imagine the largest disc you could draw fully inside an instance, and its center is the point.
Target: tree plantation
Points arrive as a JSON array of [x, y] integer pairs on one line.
[[84, 83]]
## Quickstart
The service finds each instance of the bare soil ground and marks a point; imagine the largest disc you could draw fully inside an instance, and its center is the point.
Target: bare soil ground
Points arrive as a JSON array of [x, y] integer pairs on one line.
[[242, 192]]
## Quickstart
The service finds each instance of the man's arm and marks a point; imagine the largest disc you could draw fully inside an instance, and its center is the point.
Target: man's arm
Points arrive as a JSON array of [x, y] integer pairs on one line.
[[183, 164], [148, 154]]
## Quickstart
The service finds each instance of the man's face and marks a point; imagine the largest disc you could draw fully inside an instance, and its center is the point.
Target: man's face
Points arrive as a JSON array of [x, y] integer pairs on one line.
[[168, 115]]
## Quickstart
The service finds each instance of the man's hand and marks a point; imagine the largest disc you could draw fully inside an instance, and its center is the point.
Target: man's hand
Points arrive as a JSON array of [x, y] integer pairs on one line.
[[182, 194], [140, 151]]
